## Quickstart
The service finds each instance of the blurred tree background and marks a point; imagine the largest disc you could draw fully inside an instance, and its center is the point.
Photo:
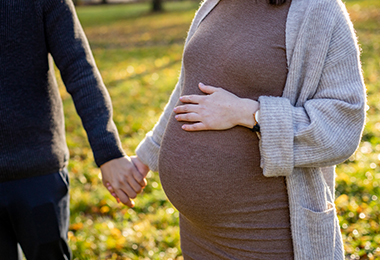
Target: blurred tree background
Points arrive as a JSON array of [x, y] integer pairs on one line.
[[157, 5], [139, 53]]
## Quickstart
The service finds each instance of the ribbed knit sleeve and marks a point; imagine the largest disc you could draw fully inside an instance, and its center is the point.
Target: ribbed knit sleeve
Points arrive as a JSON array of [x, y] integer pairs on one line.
[[68, 45], [148, 149], [323, 126]]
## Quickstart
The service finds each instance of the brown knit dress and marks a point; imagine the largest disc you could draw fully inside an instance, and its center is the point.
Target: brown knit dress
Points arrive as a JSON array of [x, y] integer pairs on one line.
[[228, 209]]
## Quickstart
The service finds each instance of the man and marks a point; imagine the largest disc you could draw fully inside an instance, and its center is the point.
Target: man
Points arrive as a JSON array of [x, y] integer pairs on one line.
[[34, 201]]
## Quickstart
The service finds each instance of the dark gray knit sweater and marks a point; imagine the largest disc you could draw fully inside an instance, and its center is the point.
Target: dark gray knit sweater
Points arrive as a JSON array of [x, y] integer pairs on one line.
[[32, 136]]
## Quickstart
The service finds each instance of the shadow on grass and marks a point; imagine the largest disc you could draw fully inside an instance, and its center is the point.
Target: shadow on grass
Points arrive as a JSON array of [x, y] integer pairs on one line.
[[140, 76]]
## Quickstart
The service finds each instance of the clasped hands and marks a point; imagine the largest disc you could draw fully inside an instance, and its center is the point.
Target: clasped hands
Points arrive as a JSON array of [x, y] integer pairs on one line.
[[124, 178], [217, 110]]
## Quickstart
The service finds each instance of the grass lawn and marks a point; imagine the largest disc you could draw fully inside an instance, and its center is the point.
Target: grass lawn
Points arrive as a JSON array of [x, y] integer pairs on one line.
[[139, 55]]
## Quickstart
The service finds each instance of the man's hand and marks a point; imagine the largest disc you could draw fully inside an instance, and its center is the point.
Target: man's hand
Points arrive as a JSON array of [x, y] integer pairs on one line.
[[123, 179]]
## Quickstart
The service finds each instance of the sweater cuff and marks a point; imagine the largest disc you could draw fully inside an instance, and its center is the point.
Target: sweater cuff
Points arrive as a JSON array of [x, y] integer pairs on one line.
[[276, 144], [108, 155], [148, 151]]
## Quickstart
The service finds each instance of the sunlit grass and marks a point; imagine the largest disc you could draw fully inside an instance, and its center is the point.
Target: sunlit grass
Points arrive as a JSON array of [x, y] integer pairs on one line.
[[139, 55], [358, 192]]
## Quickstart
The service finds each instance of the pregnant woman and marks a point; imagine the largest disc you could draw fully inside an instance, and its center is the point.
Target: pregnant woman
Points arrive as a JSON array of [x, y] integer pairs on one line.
[[291, 67]]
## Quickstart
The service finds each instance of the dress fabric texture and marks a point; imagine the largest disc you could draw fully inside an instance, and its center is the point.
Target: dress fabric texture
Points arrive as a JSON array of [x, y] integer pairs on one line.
[[228, 209], [301, 137]]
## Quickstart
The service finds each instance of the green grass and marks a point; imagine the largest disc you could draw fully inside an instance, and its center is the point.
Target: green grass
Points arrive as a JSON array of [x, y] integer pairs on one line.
[[358, 192], [139, 55]]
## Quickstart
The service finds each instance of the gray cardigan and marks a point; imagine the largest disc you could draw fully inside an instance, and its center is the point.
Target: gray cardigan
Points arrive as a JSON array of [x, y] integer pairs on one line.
[[316, 124]]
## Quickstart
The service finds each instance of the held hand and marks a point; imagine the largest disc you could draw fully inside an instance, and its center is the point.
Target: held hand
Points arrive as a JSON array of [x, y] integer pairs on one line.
[[218, 110], [122, 179], [141, 167]]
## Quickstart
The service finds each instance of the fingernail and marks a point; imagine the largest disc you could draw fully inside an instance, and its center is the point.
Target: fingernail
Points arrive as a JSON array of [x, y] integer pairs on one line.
[[113, 194], [201, 84]]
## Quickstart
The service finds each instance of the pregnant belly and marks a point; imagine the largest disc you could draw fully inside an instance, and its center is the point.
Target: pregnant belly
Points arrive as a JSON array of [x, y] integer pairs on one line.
[[209, 175]]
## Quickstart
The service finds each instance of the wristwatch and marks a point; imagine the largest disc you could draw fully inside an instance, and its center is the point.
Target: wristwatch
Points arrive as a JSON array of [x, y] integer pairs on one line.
[[256, 126]]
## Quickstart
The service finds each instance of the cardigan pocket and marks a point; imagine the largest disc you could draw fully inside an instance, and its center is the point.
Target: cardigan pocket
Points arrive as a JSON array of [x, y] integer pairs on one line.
[[320, 233]]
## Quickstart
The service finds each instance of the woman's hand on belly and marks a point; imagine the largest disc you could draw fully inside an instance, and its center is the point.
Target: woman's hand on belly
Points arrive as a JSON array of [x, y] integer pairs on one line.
[[218, 110]]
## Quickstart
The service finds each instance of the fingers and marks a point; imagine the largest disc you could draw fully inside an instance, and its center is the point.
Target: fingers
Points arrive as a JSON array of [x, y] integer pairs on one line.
[[194, 127], [129, 174], [125, 187], [110, 189], [141, 167], [193, 99], [196, 99], [187, 113], [122, 179], [124, 198], [186, 109], [207, 89], [189, 117], [138, 182], [131, 183], [124, 195], [135, 188]]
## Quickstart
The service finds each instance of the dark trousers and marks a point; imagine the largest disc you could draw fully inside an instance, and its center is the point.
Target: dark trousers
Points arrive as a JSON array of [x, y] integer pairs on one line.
[[34, 213]]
